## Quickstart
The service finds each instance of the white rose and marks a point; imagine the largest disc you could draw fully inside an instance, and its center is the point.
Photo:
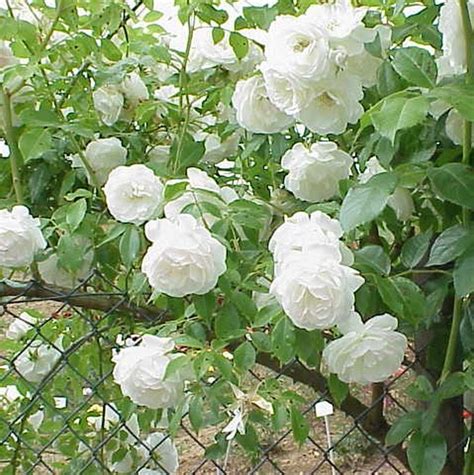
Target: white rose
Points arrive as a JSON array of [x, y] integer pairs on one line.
[[20, 237], [134, 89], [20, 326], [103, 155], [159, 155], [334, 105], [9, 394], [342, 24], [36, 419], [54, 274], [302, 232], [133, 194], [207, 54], [108, 102], [140, 372], [6, 55], [296, 48], [37, 360], [254, 111], [159, 447], [372, 167], [314, 290], [218, 150], [451, 27], [123, 466], [400, 201], [367, 353], [364, 66], [107, 415], [184, 258], [288, 93], [314, 173], [455, 127]]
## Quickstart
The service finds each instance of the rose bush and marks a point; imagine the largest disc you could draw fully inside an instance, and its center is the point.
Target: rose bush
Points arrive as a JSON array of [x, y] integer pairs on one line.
[[266, 181]]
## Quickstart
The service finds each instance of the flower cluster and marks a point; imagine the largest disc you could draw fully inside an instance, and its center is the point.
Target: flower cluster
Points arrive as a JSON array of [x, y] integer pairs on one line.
[[154, 452], [313, 286], [140, 371], [37, 360], [451, 26], [101, 156], [366, 353], [315, 172], [134, 194], [20, 237], [312, 72], [184, 258], [109, 100], [316, 287]]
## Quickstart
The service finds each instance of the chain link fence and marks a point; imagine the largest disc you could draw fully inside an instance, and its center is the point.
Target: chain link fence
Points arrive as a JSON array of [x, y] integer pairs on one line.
[[61, 412]]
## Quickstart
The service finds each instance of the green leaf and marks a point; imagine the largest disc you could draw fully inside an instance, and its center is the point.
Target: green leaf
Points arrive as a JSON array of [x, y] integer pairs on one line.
[[225, 367], [427, 453], [267, 314], [110, 50], [450, 244], [260, 17], [129, 245], [205, 305], [191, 153], [239, 44], [454, 385], [262, 342], [244, 356], [338, 389], [299, 425], [176, 365], [308, 346], [245, 305], [421, 389], [34, 142], [228, 323], [466, 330], [460, 96], [416, 65], [364, 203], [249, 214], [403, 297], [454, 182], [209, 13], [283, 340], [217, 35], [414, 249], [75, 213], [388, 81], [372, 258], [463, 275], [399, 113], [70, 252], [402, 427]]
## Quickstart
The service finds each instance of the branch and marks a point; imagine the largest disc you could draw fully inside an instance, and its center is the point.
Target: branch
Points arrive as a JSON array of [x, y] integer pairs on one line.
[[92, 301], [118, 302]]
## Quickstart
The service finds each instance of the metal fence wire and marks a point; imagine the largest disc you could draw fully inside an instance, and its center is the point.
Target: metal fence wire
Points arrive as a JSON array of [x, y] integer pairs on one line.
[[74, 419]]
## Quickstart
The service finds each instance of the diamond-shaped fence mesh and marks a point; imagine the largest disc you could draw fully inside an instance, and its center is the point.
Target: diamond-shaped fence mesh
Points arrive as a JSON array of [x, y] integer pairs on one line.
[[61, 411]]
